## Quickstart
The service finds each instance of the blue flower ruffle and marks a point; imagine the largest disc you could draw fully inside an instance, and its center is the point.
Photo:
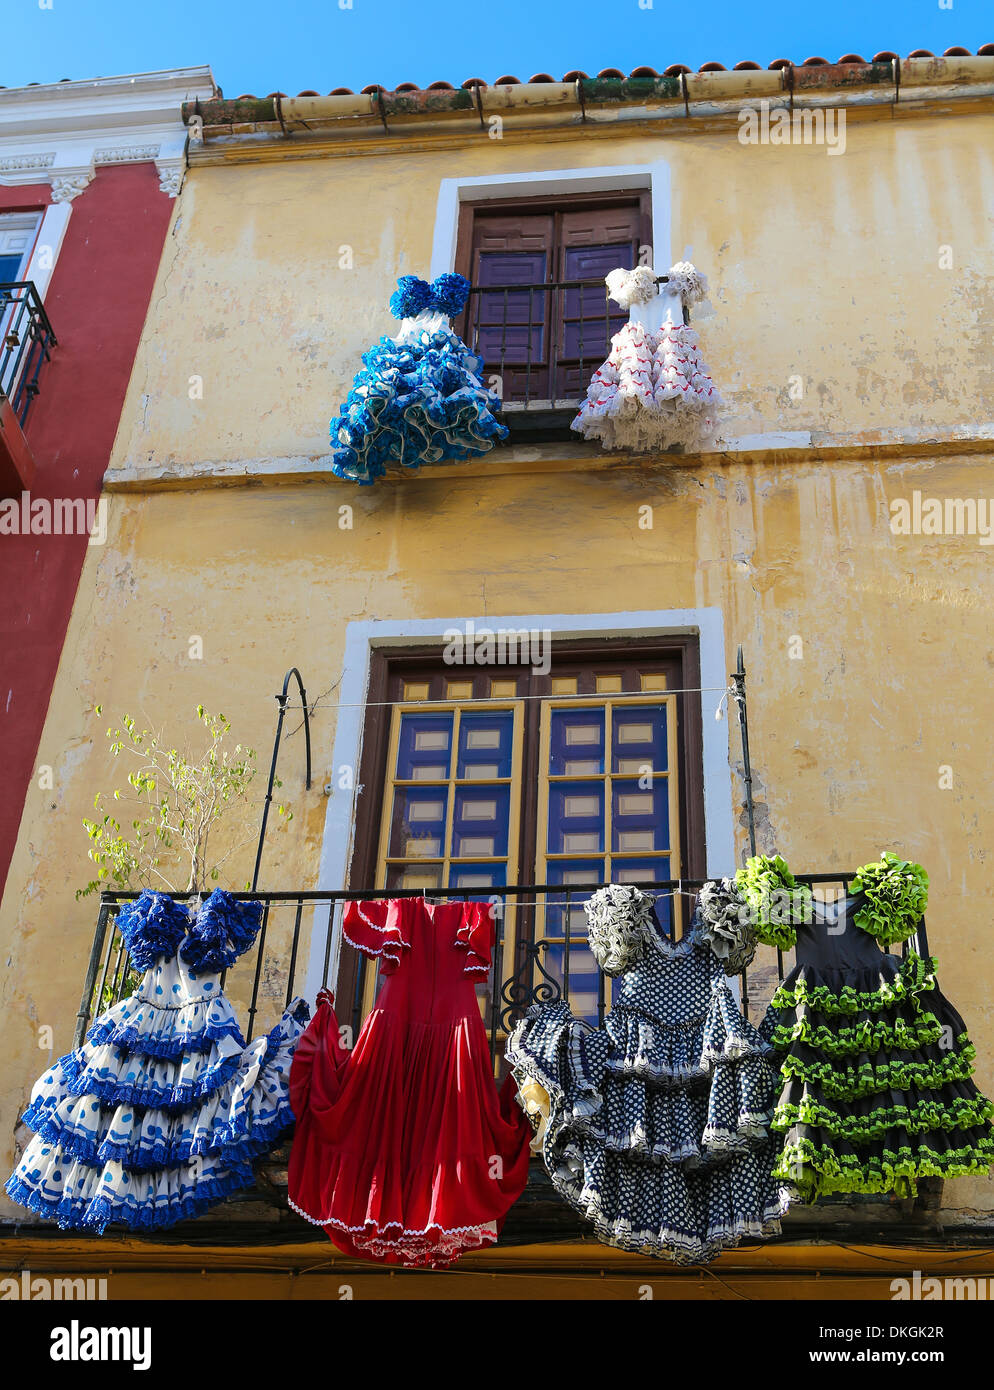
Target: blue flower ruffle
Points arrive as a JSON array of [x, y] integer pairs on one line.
[[152, 925], [447, 295], [415, 402], [225, 927]]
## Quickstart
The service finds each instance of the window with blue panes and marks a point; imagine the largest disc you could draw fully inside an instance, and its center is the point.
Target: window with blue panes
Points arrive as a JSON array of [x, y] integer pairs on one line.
[[608, 814], [504, 777]]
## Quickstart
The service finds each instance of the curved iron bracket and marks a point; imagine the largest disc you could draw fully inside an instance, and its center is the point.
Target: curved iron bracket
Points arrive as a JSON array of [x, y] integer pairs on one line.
[[281, 700]]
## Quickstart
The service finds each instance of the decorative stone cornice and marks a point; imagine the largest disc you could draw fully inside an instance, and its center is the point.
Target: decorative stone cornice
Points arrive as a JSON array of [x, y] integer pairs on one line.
[[21, 163], [126, 154], [65, 187], [65, 131], [170, 178]]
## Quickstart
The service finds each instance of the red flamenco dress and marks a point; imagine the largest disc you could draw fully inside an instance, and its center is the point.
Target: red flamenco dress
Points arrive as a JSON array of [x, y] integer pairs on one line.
[[404, 1151]]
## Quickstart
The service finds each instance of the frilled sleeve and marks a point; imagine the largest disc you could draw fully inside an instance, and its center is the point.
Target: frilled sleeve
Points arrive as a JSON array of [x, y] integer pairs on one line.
[[475, 936], [379, 929]]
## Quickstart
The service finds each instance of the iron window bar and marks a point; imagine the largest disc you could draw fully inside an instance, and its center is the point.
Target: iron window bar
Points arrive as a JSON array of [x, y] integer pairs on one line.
[[26, 342], [557, 326]]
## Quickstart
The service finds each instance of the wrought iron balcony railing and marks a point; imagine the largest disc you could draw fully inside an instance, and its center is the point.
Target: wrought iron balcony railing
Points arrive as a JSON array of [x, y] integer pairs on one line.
[[543, 341], [26, 342], [540, 953]]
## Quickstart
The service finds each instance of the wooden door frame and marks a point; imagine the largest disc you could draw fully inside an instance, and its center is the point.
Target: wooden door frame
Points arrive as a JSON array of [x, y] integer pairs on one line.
[[387, 662]]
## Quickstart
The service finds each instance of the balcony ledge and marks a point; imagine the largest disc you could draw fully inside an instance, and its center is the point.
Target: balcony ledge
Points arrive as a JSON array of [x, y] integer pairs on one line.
[[572, 454]]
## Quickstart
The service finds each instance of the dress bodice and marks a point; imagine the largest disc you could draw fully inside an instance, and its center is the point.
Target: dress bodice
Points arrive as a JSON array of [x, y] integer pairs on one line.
[[431, 955], [665, 307], [672, 981], [832, 941]]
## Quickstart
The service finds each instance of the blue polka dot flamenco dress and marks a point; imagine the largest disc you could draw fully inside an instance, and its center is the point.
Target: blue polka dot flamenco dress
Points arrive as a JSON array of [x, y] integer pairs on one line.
[[657, 1124], [160, 1113], [419, 397]]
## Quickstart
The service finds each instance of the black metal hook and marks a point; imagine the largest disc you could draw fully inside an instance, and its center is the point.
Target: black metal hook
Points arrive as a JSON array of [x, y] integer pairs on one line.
[[281, 700]]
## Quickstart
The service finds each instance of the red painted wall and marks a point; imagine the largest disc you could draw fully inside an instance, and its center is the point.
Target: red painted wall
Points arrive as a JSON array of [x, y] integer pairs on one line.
[[96, 301]]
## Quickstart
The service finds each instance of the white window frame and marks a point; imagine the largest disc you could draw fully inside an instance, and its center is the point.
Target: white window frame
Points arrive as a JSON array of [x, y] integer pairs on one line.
[[552, 183], [14, 222], [361, 640]]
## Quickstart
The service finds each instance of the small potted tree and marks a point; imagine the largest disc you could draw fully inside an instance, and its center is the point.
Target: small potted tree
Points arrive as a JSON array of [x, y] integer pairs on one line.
[[178, 801]]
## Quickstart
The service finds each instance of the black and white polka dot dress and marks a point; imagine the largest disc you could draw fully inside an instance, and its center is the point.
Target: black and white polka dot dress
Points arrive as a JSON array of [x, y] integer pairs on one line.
[[658, 1130]]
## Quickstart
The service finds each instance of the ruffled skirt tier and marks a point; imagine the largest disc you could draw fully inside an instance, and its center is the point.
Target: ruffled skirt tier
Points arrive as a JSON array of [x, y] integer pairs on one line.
[[122, 1135], [421, 401], [658, 1133], [652, 392], [876, 1082]]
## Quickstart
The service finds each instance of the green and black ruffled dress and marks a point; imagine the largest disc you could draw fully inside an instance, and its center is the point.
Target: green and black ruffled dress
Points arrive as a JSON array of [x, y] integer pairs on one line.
[[876, 1068]]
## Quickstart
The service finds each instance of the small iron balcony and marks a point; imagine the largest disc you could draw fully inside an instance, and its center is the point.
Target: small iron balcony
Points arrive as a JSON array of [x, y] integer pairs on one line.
[[26, 341]]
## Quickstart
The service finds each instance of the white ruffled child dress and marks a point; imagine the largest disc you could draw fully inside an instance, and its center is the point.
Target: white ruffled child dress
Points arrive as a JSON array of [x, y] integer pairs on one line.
[[653, 391], [162, 1110]]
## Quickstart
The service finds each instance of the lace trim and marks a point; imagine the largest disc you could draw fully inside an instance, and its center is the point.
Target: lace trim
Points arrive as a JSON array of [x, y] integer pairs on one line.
[[387, 949], [812, 1171], [683, 1247], [924, 1118], [379, 1231]]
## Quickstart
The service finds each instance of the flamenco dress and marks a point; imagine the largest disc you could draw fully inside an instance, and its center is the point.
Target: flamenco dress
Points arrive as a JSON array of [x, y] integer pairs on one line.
[[658, 1124], [404, 1152], [653, 392], [419, 397], [160, 1113], [876, 1068]]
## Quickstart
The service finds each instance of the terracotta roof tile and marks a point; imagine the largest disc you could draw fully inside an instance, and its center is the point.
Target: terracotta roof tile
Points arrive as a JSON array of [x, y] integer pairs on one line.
[[674, 70]]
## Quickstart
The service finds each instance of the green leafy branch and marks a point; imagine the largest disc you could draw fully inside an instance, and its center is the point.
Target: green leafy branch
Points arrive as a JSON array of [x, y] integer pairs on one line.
[[177, 802]]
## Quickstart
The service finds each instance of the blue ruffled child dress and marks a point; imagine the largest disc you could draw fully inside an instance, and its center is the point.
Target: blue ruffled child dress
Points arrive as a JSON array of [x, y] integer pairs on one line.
[[160, 1113], [658, 1121], [419, 397]]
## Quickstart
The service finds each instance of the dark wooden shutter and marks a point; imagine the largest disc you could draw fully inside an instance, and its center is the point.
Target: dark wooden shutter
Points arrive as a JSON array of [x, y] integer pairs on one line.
[[591, 243], [545, 343], [510, 327]]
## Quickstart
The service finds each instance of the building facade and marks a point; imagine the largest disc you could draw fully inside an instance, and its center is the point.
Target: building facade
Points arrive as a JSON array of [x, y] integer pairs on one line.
[[842, 214], [89, 172]]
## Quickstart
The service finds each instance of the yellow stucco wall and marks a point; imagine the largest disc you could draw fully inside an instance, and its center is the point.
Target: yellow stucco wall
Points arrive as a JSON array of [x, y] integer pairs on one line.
[[826, 267]]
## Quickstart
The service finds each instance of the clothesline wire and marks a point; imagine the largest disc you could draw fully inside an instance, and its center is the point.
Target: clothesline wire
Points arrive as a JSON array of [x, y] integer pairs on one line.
[[505, 699]]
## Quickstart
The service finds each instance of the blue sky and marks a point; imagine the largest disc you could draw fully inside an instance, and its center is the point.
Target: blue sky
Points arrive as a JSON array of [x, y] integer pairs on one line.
[[257, 46]]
